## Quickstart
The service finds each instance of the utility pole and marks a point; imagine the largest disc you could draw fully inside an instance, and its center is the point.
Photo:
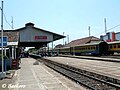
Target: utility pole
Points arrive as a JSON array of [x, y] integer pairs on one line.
[[63, 38], [89, 30], [68, 38], [12, 23], [105, 25], [2, 39]]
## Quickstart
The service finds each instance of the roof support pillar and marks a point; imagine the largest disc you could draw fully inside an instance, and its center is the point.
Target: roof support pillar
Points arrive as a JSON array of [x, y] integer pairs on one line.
[[13, 52], [52, 48], [48, 49]]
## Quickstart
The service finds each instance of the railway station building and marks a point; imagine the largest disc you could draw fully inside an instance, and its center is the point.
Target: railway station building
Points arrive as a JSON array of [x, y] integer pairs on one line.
[[27, 36]]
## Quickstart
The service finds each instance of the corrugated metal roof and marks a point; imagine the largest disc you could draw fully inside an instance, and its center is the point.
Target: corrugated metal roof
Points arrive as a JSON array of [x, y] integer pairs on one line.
[[55, 35], [14, 35], [115, 42]]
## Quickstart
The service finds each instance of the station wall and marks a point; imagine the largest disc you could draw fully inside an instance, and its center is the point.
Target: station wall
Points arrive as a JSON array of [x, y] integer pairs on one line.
[[30, 34]]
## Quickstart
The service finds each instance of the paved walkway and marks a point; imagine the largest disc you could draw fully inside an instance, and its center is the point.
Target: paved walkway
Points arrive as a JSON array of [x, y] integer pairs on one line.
[[39, 77]]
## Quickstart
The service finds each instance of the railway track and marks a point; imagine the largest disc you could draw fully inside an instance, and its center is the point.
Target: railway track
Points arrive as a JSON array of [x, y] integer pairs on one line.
[[90, 80], [102, 58], [112, 56]]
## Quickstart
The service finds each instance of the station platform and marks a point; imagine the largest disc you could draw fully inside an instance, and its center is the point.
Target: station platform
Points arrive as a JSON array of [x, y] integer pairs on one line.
[[34, 75], [110, 69]]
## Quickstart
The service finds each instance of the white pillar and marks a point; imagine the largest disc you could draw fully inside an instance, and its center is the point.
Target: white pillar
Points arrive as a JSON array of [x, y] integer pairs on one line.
[[10, 53], [5, 51], [13, 52], [48, 48], [52, 48]]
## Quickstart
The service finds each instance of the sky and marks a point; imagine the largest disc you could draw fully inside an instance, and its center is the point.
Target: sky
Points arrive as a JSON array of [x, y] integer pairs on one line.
[[69, 16]]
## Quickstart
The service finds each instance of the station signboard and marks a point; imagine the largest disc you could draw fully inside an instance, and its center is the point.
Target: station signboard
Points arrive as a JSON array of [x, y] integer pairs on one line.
[[40, 37], [4, 41]]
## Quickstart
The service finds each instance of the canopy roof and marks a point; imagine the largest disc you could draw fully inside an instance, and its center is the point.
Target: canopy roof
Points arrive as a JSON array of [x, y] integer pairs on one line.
[[30, 36]]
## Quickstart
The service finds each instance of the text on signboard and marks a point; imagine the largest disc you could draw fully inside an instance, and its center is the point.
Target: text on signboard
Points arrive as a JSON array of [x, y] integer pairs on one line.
[[40, 37]]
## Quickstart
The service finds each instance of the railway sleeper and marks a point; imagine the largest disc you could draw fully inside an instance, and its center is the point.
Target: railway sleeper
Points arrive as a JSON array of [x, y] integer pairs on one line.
[[68, 76], [61, 67], [101, 77], [86, 82]]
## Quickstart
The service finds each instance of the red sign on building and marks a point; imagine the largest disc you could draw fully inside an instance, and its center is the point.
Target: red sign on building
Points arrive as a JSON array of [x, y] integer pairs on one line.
[[40, 37]]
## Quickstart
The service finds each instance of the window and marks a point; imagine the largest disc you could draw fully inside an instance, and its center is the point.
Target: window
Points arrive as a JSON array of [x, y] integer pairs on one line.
[[114, 46], [88, 48], [118, 45], [91, 47], [81, 48], [110, 46]]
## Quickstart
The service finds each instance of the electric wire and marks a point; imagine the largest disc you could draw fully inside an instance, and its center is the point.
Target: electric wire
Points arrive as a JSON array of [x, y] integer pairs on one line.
[[108, 30], [6, 20]]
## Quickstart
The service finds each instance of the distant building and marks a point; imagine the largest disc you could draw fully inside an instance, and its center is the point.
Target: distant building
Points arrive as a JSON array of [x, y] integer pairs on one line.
[[111, 36], [117, 35], [59, 46]]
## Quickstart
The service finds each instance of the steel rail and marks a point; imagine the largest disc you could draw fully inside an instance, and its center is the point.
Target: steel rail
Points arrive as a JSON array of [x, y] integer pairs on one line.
[[88, 81]]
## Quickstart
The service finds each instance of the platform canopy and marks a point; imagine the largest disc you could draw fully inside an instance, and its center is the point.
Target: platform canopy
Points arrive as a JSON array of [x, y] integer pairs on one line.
[[30, 36]]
